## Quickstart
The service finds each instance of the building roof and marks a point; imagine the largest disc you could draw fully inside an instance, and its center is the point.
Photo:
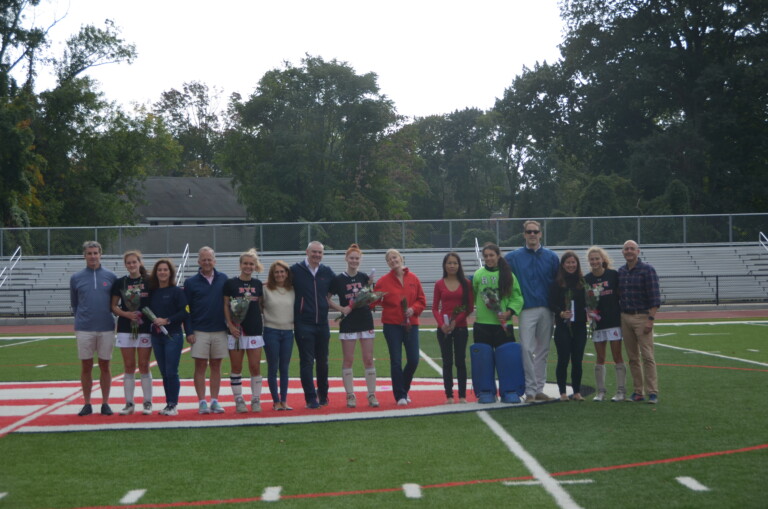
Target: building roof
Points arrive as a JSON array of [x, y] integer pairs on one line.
[[190, 199]]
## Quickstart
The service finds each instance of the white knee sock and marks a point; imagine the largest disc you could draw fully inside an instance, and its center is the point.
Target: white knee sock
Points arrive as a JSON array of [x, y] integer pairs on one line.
[[600, 377], [370, 380], [129, 386], [621, 377], [146, 386], [236, 381], [349, 380], [256, 388]]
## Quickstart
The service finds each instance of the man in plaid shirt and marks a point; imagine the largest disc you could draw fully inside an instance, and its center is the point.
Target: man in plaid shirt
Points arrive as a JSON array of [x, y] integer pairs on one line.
[[640, 299]]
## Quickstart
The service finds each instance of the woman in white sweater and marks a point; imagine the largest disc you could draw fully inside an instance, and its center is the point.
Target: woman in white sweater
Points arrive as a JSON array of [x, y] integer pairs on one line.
[[277, 306]]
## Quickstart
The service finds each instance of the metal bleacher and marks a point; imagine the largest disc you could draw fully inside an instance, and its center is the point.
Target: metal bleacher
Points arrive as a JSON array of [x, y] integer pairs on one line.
[[690, 274]]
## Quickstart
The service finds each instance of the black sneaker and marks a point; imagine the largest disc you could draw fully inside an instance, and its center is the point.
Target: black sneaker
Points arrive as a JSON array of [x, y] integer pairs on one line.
[[86, 410], [105, 410], [324, 401]]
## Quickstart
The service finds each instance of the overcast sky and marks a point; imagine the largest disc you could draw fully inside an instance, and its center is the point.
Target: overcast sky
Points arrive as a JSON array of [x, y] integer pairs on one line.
[[431, 57]]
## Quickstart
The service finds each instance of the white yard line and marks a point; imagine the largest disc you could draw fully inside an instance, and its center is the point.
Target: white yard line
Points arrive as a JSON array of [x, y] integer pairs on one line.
[[538, 483], [437, 367], [271, 494], [25, 342], [562, 498], [712, 354], [132, 496], [412, 490], [691, 483]]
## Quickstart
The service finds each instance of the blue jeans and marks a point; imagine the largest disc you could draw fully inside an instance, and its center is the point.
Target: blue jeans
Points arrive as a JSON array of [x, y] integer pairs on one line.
[[278, 344], [397, 338], [168, 354], [313, 340]]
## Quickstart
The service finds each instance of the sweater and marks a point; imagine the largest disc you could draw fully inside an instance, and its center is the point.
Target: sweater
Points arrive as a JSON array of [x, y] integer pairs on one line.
[[206, 302], [278, 308]]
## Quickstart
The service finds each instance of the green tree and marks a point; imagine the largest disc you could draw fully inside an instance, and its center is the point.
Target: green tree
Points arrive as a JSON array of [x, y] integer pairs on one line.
[[303, 144]]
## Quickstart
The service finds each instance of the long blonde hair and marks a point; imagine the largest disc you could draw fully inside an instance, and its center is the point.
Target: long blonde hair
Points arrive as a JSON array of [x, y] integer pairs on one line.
[[607, 262], [251, 253]]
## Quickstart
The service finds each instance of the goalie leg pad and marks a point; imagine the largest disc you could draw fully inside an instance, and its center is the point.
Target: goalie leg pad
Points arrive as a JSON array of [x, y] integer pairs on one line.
[[483, 380], [509, 366]]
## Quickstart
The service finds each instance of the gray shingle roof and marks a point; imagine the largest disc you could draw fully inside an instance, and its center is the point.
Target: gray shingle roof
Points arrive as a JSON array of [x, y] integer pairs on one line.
[[190, 199]]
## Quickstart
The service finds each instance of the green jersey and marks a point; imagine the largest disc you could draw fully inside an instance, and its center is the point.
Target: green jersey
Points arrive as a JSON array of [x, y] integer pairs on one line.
[[485, 278]]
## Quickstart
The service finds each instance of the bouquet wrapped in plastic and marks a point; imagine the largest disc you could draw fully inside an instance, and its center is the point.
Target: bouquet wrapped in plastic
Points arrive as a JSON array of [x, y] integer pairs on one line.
[[365, 297], [132, 300], [593, 297], [152, 317], [492, 302], [238, 306]]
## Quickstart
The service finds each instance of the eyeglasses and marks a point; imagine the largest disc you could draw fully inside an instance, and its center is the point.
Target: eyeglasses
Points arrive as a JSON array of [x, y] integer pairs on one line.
[[532, 232]]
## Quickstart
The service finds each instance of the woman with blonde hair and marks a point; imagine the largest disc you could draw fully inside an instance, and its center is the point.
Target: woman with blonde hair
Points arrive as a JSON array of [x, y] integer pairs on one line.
[[242, 310], [357, 324], [604, 281], [277, 306], [129, 295], [402, 304]]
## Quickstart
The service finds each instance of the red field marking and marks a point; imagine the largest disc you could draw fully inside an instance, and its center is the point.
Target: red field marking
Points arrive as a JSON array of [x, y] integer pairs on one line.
[[198, 503]]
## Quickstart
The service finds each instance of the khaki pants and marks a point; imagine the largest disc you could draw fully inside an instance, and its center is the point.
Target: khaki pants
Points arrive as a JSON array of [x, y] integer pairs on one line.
[[639, 346]]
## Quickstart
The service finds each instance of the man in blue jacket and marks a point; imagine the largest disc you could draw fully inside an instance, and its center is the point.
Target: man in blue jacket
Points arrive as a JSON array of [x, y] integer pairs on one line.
[[208, 337], [535, 268], [312, 282], [89, 295]]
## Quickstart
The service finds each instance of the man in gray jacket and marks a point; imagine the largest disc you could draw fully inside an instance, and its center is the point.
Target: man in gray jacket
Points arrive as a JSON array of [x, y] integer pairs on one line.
[[89, 294]]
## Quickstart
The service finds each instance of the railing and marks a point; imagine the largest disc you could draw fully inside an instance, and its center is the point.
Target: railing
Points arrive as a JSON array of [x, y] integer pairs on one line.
[[715, 289], [15, 257], [182, 265], [763, 240], [421, 234]]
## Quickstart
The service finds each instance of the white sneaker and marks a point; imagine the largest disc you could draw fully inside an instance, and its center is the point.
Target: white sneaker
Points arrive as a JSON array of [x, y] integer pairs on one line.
[[240, 406], [128, 409], [372, 401], [255, 405], [402, 402], [147, 408], [170, 410], [351, 400], [599, 397], [620, 396], [216, 408], [203, 409]]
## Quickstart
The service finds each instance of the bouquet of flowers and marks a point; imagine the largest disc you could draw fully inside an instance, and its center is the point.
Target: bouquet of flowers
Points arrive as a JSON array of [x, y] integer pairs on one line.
[[365, 297], [238, 306], [152, 317], [492, 302], [132, 300], [593, 297], [456, 312]]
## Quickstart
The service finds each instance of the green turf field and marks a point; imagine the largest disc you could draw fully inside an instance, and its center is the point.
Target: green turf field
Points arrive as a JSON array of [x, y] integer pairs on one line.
[[712, 410]]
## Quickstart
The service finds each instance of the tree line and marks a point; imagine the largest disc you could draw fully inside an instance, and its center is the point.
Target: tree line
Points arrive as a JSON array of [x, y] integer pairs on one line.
[[655, 107]]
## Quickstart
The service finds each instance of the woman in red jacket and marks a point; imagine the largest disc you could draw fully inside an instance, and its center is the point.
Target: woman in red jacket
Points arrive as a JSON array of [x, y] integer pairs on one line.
[[401, 306]]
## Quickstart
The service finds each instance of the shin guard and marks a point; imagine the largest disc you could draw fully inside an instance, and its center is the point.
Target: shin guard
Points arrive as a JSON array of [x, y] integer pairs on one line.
[[509, 366], [483, 380]]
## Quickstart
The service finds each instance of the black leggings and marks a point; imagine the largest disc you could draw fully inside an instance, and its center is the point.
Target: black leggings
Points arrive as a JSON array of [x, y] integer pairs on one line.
[[454, 343], [570, 345]]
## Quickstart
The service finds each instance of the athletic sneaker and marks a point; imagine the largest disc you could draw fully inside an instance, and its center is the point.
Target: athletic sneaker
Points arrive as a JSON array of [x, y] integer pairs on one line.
[[255, 405], [172, 410], [324, 401], [105, 410], [636, 397], [653, 399], [128, 409], [147, 408], [620, 396], [240, 406], [402, 402], [372, 401], [216, 408], [351, 400], [86, 410], [599, 397], [203, 408]]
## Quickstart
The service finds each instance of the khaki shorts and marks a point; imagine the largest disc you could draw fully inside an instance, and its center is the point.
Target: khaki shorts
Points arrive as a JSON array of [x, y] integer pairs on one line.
[[89, 343], [210, 345]]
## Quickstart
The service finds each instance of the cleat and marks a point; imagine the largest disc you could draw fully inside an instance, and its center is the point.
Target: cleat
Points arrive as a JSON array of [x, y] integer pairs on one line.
[[240, 406], [351, 401], [255, 405], [216, 408], [128, 409], [372, 401], [147, 410]]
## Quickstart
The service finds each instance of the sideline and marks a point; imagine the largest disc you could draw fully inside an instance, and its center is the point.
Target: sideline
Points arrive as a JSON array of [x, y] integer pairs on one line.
[[712, 354]]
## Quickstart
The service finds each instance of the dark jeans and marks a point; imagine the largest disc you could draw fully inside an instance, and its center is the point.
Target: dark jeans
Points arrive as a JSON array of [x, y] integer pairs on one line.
[[278, 344], [168, 354], [570, 346], [397, 338], [313, 341], [455, 342]]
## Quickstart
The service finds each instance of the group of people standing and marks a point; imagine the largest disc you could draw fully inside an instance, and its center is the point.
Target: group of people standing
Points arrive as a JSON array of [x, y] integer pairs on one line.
[[238, 317]]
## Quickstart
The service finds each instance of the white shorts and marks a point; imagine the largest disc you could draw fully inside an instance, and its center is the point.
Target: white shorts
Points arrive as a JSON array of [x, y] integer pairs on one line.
[[124, 340], [246, 342], [612, 334], [354, 336], [89, 342]]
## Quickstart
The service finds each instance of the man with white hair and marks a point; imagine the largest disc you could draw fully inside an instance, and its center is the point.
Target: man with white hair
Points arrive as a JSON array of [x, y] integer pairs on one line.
[[208, 337]]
